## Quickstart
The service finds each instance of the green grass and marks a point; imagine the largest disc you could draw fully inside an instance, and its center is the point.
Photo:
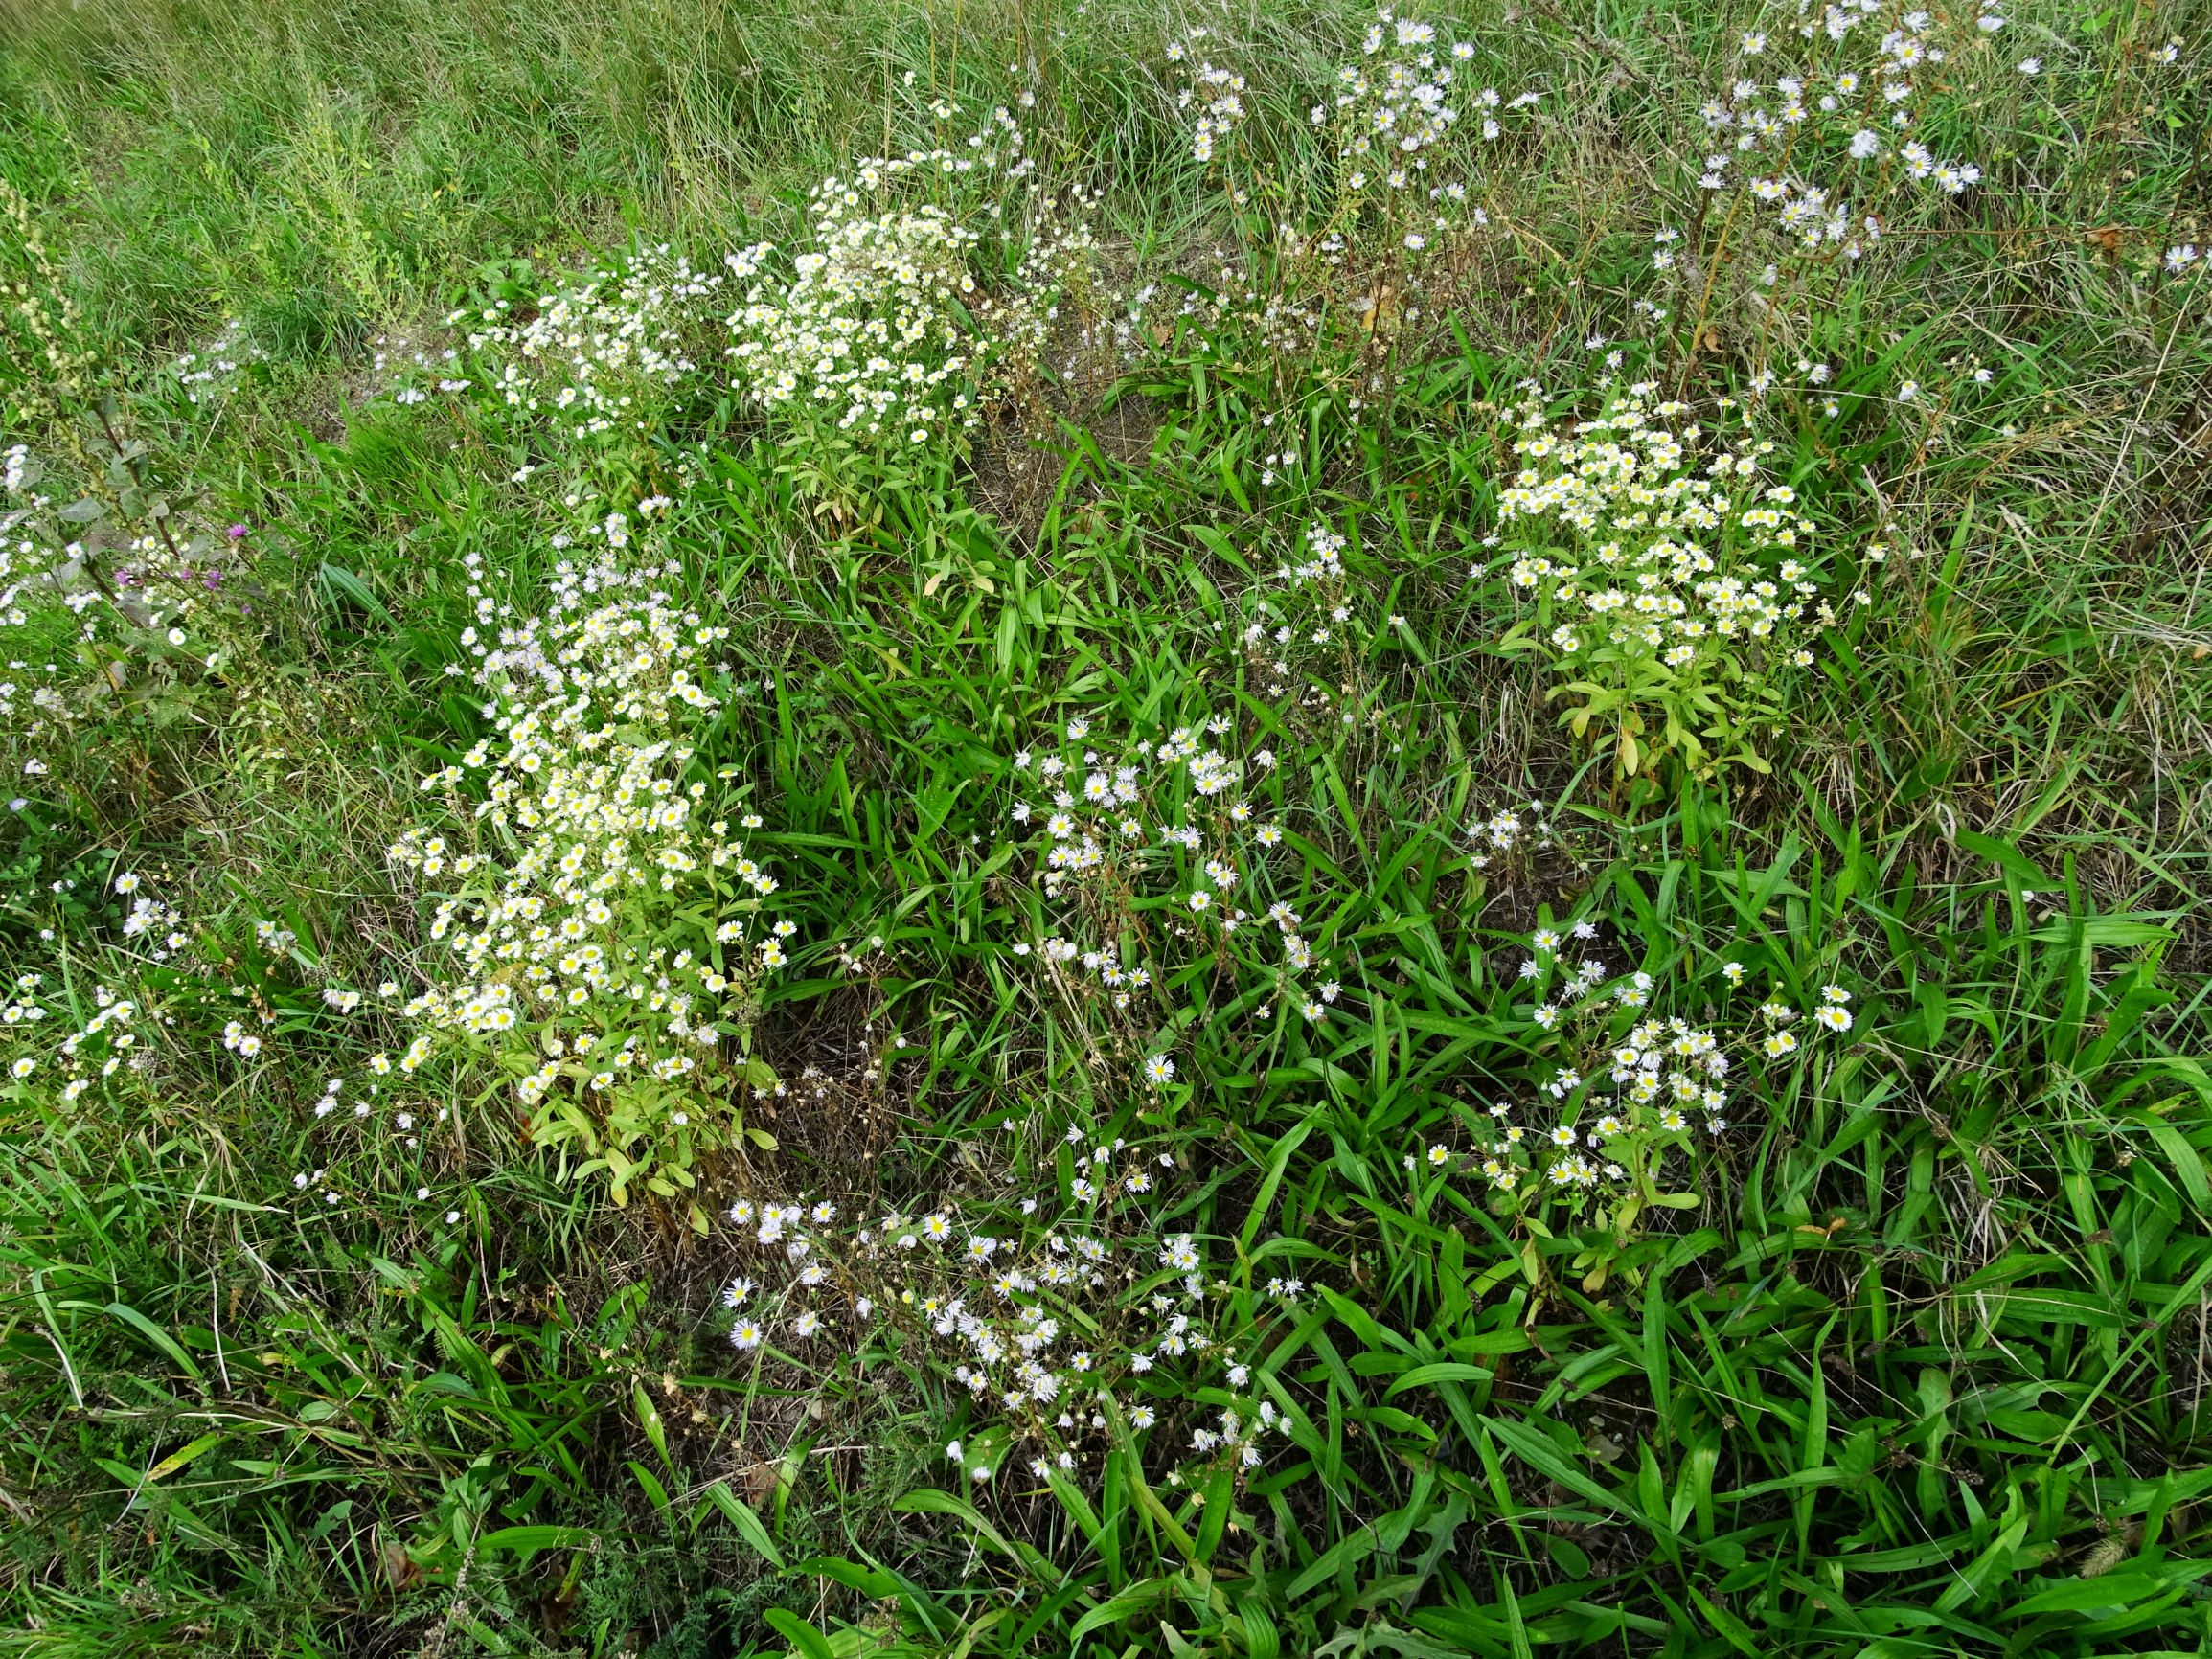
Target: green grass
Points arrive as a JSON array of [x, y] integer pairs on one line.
[[1922, 1369]]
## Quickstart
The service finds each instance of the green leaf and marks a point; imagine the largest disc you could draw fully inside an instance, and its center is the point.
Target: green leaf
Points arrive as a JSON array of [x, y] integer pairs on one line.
[[1134, 1600], [2119, 1589], [929, 1500], [1537, 1451], [803, 1638], [2187, 1165], [648, 1420], [2006, 858], [873, 1583], [523, 1539], [159, 1337], [750, 1526], [338, 583]]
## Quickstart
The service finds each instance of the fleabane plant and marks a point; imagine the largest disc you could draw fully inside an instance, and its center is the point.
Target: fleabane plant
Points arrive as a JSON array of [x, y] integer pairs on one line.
[[1831, 132], [608, 355], [87, 1047], [1362, 247], [1162, 874], [1818, 133], [601, 939], [1668, 578], [163, 1005], [920, 297], [1306, 632], [1393, 120], [1066, 1317], [1628, 1105]]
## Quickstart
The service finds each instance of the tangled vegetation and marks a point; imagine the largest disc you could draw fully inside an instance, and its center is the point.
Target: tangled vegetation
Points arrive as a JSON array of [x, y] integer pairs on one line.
[[970, 831]]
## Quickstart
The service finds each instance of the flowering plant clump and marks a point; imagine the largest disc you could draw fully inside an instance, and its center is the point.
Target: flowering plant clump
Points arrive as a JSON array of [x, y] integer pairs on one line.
[[1154, 866], [102, 621], [605, 940], [1669, 593], [1389, 120], [209, 376], [1517, 849], [1632, 1095], [1071, 1320], [1304, 632], [1818, 149], [164, 971], [101, 1045], [889, 329], [1826, 148], [1362, 250], [1511, 833], [611, 353], [1311, 638]]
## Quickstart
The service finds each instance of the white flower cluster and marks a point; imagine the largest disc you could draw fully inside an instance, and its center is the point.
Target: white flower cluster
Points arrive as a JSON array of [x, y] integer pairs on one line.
[[1631, 1090], [408, 367], [1324, 559], [1511, 830], [107, 1042], [1665, 563], [211, 374], [159, 923], [1368, 257], [886, 329], [1217, 95], [1288, 323], [1167, 825], [1392, 115], [22, 1016], [29, 561], [1302, 630], [869, 327], [1065, 1319], [1827, 141], [605, 939], [1402, 106], [608, 351]]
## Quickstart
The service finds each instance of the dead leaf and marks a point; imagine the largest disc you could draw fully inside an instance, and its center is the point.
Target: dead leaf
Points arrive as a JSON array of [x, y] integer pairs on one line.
[[1380, 310], [400, 1569]]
